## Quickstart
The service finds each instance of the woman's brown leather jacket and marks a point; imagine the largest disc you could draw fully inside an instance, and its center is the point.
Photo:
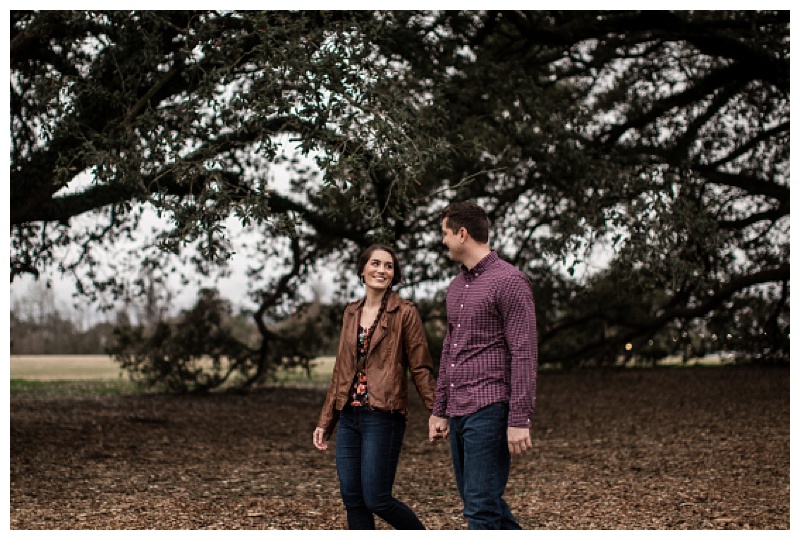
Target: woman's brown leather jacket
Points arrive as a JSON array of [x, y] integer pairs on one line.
[[399, 343]]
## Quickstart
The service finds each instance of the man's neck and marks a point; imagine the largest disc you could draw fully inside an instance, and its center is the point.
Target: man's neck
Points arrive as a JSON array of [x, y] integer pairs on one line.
[[476, 255]]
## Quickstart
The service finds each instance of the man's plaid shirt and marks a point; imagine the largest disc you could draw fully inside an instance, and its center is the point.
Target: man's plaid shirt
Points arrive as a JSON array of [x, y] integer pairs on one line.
[[490, 350]]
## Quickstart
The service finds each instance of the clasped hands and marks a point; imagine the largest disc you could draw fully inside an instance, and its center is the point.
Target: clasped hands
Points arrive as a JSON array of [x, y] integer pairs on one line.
[[519, 439]]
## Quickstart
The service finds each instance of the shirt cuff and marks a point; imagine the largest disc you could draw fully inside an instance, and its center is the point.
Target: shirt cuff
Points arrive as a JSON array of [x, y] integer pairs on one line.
[[519, 421]]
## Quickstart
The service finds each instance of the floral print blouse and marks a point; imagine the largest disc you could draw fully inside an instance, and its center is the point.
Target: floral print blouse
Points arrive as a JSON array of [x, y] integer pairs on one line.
[[359, 392]]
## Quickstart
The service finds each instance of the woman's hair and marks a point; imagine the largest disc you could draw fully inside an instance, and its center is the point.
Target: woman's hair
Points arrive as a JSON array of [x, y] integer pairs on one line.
[[365, 256], [470, 216]]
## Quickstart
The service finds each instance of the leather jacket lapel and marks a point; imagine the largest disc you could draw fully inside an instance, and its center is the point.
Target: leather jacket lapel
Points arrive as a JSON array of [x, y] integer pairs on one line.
[[392, 305]]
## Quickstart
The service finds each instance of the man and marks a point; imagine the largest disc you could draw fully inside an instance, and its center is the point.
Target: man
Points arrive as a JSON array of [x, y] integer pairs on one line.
[[487, 376]]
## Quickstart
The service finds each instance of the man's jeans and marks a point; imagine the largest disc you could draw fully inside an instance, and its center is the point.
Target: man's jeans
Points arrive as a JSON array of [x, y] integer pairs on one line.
[[481, 462], [367, 450]]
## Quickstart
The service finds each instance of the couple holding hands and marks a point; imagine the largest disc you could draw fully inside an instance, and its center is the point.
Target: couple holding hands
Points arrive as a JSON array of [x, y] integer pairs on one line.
[[482, 401]]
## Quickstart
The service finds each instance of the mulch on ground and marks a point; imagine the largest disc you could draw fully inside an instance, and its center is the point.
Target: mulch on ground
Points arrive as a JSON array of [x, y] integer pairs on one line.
[[699, 448]]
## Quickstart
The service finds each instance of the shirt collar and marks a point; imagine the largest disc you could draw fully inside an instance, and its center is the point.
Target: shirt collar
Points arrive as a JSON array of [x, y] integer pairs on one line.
[[482, 265]]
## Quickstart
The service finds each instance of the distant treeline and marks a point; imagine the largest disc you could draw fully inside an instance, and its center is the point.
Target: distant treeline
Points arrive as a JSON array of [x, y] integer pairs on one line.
[[54, 334]]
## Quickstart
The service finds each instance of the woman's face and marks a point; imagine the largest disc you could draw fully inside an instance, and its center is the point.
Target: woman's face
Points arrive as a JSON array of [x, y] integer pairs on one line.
[[379, 270]]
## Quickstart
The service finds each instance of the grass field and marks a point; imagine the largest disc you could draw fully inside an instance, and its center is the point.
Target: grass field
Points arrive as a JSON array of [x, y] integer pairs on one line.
[[65, 367], [103, 368]]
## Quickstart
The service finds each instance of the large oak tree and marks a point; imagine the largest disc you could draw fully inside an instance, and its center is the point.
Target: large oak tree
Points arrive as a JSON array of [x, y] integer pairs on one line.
[[662, 137]]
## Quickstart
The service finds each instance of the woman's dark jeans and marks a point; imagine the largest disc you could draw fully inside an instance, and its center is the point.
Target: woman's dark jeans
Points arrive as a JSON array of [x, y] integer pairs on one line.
[[367, 450]]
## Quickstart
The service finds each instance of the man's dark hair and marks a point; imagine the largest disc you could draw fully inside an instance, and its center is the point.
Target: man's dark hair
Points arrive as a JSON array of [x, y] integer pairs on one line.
[[469, 215], [365, 256]]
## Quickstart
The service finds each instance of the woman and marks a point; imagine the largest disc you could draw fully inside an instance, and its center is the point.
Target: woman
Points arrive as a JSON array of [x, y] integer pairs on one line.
[[382, 336]]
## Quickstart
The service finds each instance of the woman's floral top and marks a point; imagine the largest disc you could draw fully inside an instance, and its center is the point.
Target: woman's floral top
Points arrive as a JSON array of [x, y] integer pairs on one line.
[[359, 393]]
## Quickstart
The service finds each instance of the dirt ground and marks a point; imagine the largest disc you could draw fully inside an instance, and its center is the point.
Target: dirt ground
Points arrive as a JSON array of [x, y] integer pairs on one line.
[[700, 448]]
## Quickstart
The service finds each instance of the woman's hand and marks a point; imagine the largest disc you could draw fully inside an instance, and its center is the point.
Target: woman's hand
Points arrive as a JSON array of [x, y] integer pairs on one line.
[[319, 439]]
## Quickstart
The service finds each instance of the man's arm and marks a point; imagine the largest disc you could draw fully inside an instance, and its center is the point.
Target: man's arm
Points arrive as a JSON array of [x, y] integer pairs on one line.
[[438, 426], [440, 401], [517, 307]]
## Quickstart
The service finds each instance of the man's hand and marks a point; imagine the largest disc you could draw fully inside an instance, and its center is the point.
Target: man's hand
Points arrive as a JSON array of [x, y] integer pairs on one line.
[[438, 428], [519, 440]]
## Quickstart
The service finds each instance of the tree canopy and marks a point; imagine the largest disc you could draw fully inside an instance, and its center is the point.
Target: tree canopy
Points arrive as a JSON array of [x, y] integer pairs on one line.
[[658, 138]]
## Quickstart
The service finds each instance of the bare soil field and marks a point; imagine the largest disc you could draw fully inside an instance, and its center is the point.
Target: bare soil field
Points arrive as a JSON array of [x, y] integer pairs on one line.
[[668, 448]]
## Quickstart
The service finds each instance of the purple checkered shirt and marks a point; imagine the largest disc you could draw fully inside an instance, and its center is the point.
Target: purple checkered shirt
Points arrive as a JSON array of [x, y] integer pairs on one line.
[[490, 349]]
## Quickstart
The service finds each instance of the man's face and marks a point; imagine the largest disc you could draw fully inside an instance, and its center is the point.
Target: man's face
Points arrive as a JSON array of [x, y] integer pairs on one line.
[[453, 241]]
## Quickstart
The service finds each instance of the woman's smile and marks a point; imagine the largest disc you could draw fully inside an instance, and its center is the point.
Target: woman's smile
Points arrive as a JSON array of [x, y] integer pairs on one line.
[[379, 271]]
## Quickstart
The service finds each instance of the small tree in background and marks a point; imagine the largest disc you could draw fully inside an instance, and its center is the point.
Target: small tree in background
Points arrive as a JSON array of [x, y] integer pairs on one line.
[[194, 353], [207, 347]]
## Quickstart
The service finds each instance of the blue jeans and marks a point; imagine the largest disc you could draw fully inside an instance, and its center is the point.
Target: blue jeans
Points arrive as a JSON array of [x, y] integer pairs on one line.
[[481, 462], [367, 450]]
